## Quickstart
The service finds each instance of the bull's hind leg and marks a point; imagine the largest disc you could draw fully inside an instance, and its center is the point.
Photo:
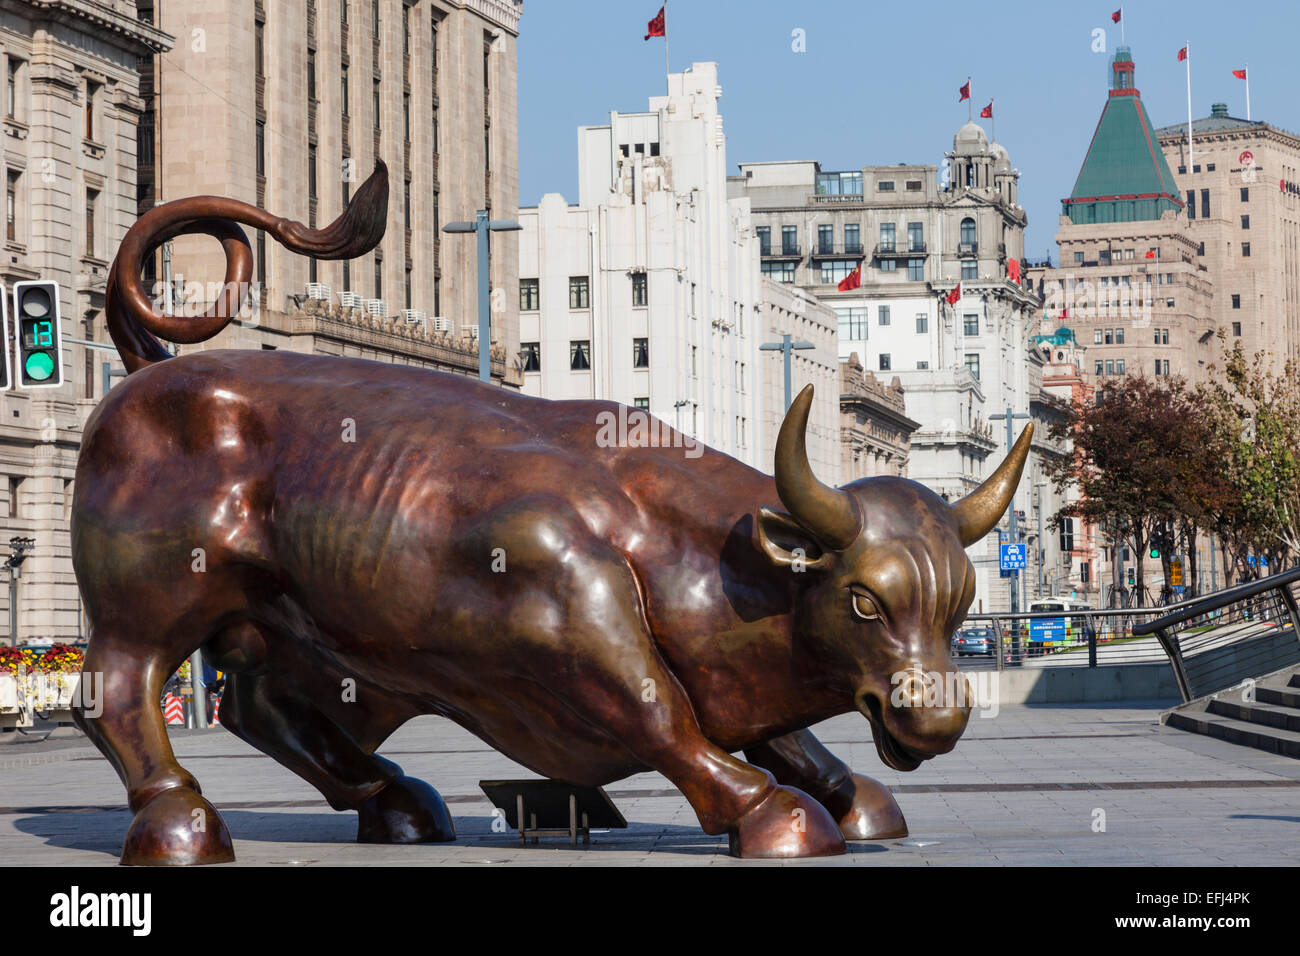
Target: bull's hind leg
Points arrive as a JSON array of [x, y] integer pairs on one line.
[[173, 824], [864, 808], [281, 720]]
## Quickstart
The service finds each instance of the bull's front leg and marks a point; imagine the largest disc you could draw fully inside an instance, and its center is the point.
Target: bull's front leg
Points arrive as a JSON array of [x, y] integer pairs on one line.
[[864, 808]]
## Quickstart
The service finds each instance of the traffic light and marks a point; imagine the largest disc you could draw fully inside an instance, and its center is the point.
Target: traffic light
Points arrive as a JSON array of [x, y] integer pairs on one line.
[[6, 380], [38, 345], [1155, 552], [1132, 577]]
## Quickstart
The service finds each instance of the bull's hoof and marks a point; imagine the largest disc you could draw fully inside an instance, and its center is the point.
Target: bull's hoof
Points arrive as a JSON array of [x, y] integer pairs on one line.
[[406, 811], [866, 810], [177, 828], [788, 823]]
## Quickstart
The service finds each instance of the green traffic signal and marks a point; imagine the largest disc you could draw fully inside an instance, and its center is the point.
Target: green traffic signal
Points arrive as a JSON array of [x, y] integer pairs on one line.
[[39, 346], [1155, 552]]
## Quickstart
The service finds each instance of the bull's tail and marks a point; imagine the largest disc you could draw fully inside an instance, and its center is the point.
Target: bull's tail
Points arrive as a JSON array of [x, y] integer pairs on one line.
[[133, 321]]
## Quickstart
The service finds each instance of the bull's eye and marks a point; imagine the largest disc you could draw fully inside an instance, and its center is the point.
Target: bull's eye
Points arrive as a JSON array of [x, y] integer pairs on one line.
[[864, 607]]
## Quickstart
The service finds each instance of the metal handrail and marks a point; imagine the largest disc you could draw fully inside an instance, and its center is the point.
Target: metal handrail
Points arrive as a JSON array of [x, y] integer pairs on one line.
[[1161, 627], [1220, 599]]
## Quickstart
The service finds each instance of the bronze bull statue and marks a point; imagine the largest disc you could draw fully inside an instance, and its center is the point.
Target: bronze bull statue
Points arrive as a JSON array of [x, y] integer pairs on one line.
[[591, 612]]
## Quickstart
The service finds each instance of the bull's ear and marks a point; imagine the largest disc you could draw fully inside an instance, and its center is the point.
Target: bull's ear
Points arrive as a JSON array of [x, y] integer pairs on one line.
[[787, 543]]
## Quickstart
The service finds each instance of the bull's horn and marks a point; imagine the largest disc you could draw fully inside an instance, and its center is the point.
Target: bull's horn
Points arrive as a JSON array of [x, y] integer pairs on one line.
[[829, 513], [979, 511]]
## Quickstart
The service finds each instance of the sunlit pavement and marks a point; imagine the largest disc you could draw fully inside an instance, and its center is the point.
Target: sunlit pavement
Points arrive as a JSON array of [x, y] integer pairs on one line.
[[1062, 784]]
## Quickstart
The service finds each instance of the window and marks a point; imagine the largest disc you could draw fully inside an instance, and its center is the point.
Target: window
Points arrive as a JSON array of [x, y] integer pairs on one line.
[[1200, 250], [1078, 258], [887, 230], [311, 177], [883, 315], [1103, 257], [578, 293], [970, 324], [970, 268], [916, 269], [642, 403], [834, 270], [11, 205], [777, 271], [1119, 366], [885, 186], [343, 90], [1108, 336], [639, 290], [1110, 366], [532, 354], [764, 240], [1129, 254], [640, 353], [888, 265], [922, 365], [915, 237], [1245, 249], [15, 496], [260, 145], [1099, 367], [1205, 204], [1191, 204], [1209, 167], [529, 295], [852, 241], [914, 185], [1162, 366], [580, 355], [922, 322], [374, 94], [825, 239], [884, 361], [1236, 302], [695, 362], [790, 240], [1119, 336], [1096, 336], [91, 197], [967, 233], [1245, 222], [972, 362], [11, 88], [853, 323], [379, 278], [1236, 329], [91, 90], [1245, 194], [1164, 336]]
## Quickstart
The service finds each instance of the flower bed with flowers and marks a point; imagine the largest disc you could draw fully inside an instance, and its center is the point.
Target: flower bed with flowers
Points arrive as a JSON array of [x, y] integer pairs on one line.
[[44, 680]]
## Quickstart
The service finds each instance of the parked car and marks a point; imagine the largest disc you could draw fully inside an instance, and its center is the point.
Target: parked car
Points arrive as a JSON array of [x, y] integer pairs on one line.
[[974, 640]]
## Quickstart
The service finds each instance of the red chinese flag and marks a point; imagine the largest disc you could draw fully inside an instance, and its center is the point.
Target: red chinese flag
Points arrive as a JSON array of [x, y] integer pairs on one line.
[[987, 112], [851, 281], [954, 296], [1151, 253], [1114, 17], [1065, 315], [1182, 54], [964, 90], [1239, 74], [656, 26], [1013, 270]]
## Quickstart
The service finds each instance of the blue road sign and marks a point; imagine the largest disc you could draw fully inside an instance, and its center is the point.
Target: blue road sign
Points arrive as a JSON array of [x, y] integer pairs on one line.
[[1013, 557]]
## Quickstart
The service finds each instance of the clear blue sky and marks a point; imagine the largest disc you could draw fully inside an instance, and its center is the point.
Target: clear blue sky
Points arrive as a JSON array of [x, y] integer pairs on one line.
[[878, 82]]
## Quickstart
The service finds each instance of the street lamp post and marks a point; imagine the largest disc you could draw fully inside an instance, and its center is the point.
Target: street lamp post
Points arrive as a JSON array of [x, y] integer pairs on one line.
[[18, 548], [787, 350], [482, 225], [1015, 539], [1041, 549], [677, 405]]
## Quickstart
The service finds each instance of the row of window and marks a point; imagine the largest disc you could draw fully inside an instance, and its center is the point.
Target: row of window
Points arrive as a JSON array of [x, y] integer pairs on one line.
[[580, 355], [853, 238], [1114, 367], [530, 296], [971, 361]]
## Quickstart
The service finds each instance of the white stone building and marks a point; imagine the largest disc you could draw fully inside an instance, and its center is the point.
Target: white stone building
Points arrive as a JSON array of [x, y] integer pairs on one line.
[[647, 291]]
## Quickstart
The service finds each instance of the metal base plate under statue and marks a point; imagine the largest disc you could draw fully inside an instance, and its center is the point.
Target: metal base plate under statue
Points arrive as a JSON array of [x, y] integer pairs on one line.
[[553, 808]]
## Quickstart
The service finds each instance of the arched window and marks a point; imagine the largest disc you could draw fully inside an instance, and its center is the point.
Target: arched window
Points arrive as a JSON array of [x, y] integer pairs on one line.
[[968, 230]]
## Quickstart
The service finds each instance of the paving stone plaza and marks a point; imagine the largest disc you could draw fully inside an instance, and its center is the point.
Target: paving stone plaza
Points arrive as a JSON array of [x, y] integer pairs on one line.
[[1033, 786]]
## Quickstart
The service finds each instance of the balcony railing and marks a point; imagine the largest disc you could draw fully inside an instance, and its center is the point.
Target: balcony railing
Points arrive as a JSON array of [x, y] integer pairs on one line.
[[889, 250], [786, 251], [968, 248]]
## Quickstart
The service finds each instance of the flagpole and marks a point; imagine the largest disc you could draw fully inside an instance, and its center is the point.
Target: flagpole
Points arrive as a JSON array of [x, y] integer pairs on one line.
[[1191, 156], [1247, 92], [970, 105], [993, 115], [1121, 27], [667, 87]]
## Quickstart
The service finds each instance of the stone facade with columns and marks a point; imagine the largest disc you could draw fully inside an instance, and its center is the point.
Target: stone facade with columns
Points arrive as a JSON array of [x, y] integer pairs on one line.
[[875, 432]]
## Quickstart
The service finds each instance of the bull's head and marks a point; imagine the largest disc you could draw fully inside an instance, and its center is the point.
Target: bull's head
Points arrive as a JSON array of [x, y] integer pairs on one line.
[[888, 582]]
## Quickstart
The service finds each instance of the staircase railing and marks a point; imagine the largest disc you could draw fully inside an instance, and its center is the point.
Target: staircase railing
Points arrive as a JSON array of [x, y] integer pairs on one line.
[[1227, 637]]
